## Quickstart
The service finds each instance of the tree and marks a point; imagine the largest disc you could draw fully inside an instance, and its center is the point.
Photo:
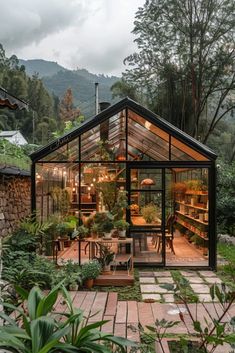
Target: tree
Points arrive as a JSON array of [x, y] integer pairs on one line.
[[195, 37], [67, 111]]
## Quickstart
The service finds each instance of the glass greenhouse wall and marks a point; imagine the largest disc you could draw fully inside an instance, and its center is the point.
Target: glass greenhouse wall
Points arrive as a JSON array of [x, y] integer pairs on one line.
[[128, 161]]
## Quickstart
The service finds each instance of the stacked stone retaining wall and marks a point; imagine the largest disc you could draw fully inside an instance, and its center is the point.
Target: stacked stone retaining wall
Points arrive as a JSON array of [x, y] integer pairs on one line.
[[14, 201]]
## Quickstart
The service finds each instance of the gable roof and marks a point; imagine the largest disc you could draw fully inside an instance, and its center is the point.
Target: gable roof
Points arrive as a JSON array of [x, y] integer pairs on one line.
[[10, 101], [114, 109]]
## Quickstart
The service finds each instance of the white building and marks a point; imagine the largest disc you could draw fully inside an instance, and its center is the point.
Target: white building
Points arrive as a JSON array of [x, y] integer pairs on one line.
[[14, 136]]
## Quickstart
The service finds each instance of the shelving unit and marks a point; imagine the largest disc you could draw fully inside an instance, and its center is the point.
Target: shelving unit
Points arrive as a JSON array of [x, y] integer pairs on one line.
[[188, 213]]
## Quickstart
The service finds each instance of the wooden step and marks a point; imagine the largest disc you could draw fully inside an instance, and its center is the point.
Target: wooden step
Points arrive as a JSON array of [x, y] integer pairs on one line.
[[120, 278]]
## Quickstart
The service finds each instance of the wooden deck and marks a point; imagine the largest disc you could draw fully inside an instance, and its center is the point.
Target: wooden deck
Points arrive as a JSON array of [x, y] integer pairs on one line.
[[122, 314]]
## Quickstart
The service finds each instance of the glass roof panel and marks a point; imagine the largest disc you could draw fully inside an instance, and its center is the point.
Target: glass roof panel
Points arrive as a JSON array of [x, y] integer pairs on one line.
[[147, 139], [187, 153], [104, 141], [67, 152]]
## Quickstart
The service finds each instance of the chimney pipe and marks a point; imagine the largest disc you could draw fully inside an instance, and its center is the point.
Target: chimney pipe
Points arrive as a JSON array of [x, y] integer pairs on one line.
[[104, 105]]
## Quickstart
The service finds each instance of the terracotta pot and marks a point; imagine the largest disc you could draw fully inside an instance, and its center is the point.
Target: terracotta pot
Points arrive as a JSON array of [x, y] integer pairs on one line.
[[89, 283]]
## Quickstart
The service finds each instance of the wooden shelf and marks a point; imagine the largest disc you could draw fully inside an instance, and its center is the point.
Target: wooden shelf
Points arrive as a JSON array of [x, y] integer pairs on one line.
[[193, 229], [194, 219], [194, 192], [192, 206]]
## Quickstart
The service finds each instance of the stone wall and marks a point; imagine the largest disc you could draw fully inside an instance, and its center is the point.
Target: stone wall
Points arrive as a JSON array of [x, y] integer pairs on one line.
[[14, 201]]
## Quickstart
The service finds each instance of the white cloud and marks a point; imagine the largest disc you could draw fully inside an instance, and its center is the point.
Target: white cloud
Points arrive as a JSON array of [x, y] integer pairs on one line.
[[92, 34]]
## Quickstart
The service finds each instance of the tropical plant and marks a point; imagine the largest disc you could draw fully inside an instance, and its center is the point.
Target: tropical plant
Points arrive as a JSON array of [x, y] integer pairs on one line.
[[106, 256], [91, 270], [68, 273], [150, 212], [39, 330]]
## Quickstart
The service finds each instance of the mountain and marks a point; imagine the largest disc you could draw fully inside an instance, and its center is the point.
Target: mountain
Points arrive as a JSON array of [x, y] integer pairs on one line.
[[41, 67], [57, 80]]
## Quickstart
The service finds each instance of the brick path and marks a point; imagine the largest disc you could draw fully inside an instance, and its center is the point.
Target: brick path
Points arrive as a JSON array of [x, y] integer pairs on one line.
[[122, 314]]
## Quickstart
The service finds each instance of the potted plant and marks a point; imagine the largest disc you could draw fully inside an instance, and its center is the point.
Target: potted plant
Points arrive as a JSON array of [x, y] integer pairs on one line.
[[82, 231], [105, 258], [106, 228], [121, 226], [150, 212], [90, 271], [95, 230]]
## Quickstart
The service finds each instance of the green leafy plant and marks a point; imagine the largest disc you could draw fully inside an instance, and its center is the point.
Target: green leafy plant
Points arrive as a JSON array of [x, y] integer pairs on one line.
[[69, 273], [106, 256], [150, 212], [121, 224], [39, 330], [82, 232], [91, 270]]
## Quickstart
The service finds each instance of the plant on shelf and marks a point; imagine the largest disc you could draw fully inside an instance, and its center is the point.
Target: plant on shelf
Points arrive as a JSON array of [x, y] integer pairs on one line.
[[195, 185], [106, 257], [101, 218], [107, 227], [95, 230], [90, 271], [179, 187], [82, 232], [121, 226], [150, 212]]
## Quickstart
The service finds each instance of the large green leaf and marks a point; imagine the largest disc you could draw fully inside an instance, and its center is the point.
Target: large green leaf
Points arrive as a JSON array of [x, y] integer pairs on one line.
[[35, 296], [42, 329], [46, 304]]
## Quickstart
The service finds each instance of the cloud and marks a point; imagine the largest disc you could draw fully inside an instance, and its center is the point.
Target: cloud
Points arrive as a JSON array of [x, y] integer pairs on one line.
[[27, 22], [91, 34]]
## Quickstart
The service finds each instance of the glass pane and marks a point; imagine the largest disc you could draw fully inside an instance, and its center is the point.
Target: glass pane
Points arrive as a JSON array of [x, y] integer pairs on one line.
[[106, 141], [146, 179], [67, 152], [189, 192], [101, 186], [146, 208], [146, 140], [187, 153]]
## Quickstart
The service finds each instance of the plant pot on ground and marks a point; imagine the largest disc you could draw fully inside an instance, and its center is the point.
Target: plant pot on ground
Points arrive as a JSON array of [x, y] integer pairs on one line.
[[90, 271], [105, 258]]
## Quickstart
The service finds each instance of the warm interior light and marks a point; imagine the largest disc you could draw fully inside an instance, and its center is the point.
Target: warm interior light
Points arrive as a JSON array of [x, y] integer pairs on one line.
[[147, 181]]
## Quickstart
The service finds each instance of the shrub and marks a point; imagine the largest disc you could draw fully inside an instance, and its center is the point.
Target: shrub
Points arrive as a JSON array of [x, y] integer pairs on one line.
[[91, 270]]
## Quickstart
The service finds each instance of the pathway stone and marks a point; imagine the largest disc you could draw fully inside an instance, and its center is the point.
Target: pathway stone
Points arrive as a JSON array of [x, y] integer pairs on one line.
[[188, 273], [168, 298], [162, 274], [200, 288], [206, 298], [146, 274], [207, 273], [165, 280], [213, 280], [152, 288], [147, 280], [197, 280], [151, 296]]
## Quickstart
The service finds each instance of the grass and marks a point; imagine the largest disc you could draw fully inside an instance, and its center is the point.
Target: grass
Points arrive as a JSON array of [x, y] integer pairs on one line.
[[227, 271]]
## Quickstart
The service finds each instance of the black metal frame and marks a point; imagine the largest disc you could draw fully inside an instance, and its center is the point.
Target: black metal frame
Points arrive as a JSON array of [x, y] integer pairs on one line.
[[125, 104]]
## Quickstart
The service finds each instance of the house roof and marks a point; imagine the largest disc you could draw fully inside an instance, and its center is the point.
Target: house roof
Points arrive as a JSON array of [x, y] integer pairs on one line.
[[14, 171], [9, 133], [10, 101], [114, 109]]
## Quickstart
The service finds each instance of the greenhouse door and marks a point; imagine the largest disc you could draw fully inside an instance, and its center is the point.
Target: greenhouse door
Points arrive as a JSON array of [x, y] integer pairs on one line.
[[145, 186]]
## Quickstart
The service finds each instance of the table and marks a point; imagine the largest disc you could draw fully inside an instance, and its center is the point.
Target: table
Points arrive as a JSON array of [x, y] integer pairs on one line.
[[140, 221]]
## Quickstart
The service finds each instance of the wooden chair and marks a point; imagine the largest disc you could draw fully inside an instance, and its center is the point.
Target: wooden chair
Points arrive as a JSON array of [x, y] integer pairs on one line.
[[169, 236]]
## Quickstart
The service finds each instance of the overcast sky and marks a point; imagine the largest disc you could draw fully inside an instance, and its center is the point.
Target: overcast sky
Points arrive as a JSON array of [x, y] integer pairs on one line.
[[91, 34]]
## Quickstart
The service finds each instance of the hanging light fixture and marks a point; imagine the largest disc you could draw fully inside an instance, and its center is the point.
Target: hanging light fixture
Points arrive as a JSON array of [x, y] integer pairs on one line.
[[120, 154], [147, 181]]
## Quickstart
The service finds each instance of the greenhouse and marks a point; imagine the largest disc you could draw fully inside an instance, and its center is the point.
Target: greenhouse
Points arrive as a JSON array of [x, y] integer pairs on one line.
[[129, 179]]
